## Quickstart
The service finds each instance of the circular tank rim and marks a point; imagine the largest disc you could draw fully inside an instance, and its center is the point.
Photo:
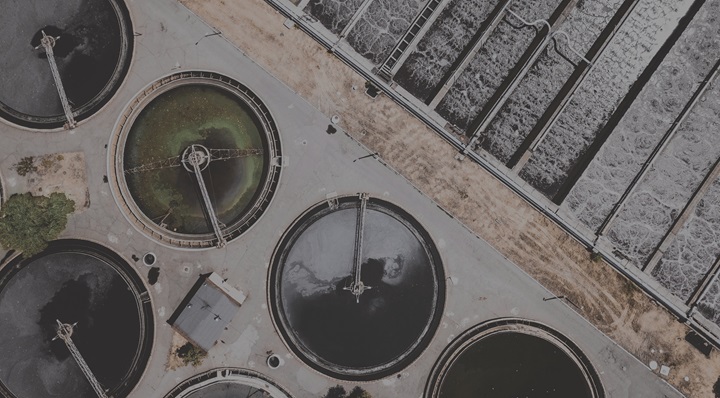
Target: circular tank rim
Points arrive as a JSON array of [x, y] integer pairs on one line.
[[262, 200], [510, 325], [145, 307], [3, 192], [328, 369], [224, 375], [55, 123]]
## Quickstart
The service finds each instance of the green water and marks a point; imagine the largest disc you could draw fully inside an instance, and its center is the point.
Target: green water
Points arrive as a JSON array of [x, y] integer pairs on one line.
[[194, 114]]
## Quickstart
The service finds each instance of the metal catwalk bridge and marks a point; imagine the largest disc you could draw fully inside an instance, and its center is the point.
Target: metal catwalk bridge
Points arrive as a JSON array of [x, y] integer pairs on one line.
[[48, 42], [64, 333], [357, 287], [177, 161], [197, 157]]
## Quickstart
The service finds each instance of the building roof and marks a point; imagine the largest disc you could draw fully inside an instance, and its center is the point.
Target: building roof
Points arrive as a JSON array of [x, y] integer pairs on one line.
[[207, 309]]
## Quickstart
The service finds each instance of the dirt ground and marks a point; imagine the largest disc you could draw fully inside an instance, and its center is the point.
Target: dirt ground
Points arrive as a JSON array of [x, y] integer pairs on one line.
[[173, 360], [60, 172], [604, 297]]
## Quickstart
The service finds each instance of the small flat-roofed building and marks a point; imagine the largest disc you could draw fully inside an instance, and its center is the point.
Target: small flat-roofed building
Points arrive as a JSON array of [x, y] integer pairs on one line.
[[207, 309]]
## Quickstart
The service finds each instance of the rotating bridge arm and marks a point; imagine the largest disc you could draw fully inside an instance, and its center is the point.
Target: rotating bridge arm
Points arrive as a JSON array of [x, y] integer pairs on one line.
[[357, 287], [48, 42], [195, 160], [64, 333], [176, 161]]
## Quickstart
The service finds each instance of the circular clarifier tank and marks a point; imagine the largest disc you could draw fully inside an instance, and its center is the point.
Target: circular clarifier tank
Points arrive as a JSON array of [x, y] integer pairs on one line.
[[92, 50], [513, 358], [195, 160], [228, 383], [356, 288], [82, 284]]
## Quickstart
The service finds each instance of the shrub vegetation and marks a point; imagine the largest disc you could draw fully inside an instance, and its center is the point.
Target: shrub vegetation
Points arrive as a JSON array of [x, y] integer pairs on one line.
[[28, 223]]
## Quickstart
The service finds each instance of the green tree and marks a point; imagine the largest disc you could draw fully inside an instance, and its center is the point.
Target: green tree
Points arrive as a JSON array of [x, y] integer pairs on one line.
[[358, 392], [336, 392], [28, 223], [339, 392], [191, 355]]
